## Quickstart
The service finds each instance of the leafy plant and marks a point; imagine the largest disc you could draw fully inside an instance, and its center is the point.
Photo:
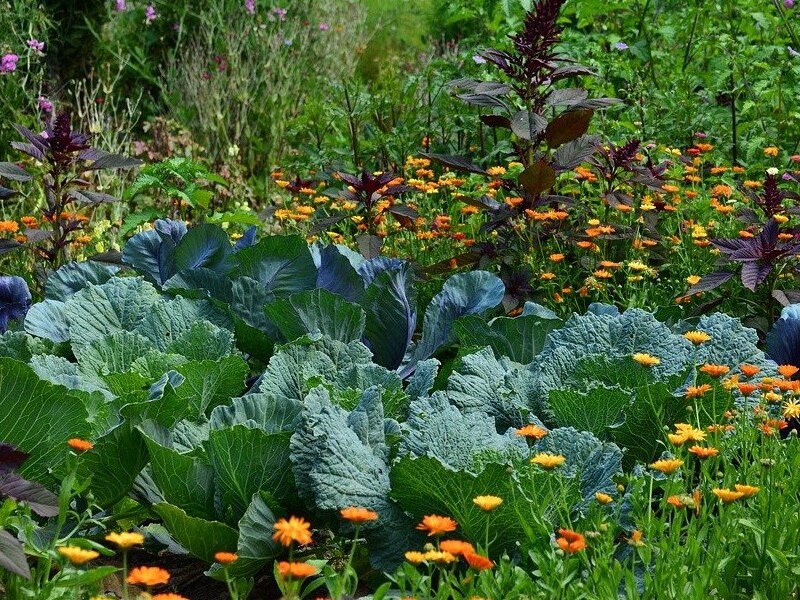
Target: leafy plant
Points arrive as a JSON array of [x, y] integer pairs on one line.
[[15, 299]]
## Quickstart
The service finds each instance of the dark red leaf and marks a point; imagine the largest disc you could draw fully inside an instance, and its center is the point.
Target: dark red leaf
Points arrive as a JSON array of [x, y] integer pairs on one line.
[[567, 127], [528, 125], [538, 178], [710, 281], [459, 163]]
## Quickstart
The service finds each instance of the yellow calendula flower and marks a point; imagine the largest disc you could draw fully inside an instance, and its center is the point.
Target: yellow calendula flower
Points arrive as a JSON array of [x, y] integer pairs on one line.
[[125, 539], [791, 409], [603, 498], [666, 465], [727, 496], [646, 360], [77, 556], [548, 461], [414, 557], [487, 503], [697, 337]]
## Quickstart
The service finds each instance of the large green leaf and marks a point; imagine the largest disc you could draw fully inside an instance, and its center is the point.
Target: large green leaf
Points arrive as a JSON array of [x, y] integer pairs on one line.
[[113, 353], [48, 320], [211, 383], [267, 412], [452, 496], [38, 417], [169, 320], [205, 246], [520, 338], [594, 410], [246, 461], [282, 264], [200, 537], [185, 481], [317, 311], [202, 341], [75, 276], [113, 464]]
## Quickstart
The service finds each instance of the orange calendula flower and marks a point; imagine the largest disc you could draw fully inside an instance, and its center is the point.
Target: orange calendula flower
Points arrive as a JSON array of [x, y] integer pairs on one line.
[[749, 370], [169, 596], [295, 529], [125, 539], [456, 547], [478, 562], [714, 370], [148, 576], [787, 370], [437, 525], [77, 556], [646, 360], [771, 151], [414, 557], [696, 391], [603, 498], [727, 496], [636, 538], [676, 501], [666, 465], [532, 431], [487, 503], [748, 490], [697, 337], [702, 452], [79, 445], [226, 558], [747, 388], [570, 541], [548, 461], [296, 570], [356, 514]]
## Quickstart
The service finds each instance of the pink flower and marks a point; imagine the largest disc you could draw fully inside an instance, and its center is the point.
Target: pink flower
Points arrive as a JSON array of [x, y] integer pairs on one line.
[[44, 105], [8, 63], [250, 6], [36, 45], [150, 13], [324, 27], [120, 6]]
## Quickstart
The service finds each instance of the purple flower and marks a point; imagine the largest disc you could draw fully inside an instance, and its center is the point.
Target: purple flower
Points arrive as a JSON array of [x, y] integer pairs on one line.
[[250, 6], [120, 6], [45, 105], [788, 3], [700, 134], [324, 27], [8, 63], [36, 45], [479, 60], [150, 13], [787, 177], [621, 46], [279, 13]]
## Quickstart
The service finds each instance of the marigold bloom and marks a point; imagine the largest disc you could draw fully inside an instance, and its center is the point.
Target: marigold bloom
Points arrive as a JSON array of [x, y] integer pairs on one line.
[[439, 557], [487, 503], [125, 539], [226, 558], [666, 465], [296, 570], [749, 370], [437, 525], [771, 151], [169, 596], [702, 452], [570, 541], [9, 227], [558, 257], [791, 409], [714, 370], [77, 556], [532, 431], [148, 576], [676, 501], [356, 514], [696, 391], [787, 370], [478, 562], [548, 461], [748, 490], [646, 360], [414, 557], [697, 337], [727, 496], [603, 498], [296, 529], [686, 433], [79, 445], [456, 547], [636, 538], [747, 388]]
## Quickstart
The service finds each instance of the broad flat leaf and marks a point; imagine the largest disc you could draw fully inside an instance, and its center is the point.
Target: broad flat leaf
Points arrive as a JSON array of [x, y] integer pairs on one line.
[[8, 245], [391, 317], [369, 245], [113, 161], [519, 338], [247, 460], [271, 414], [462, 294], [200, 537], [458, 163], [574, 153], [566, 97], [14, 344], [83, 578], [12, 555], [163, 404], [336, 274], [209, 384], [568, 126], [40, 500], [282, 264], [47, 319], [202, 341], [488, 100], [168, 320], [710, 281], [452, 495], [14, 172], [594, 410], [15, 298], [205, 246], [753, 274], [153, 252], [183, 480], [100, 310], [317, 311], [256, 546], [38, 417], [113, 464], [206, 283], [537, 178], [113, 353], [75, 276], [528, 125], [421, 382]]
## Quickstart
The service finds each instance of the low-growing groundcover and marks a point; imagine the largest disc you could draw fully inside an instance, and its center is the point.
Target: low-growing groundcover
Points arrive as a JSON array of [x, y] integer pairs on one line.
[[591, 456]]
